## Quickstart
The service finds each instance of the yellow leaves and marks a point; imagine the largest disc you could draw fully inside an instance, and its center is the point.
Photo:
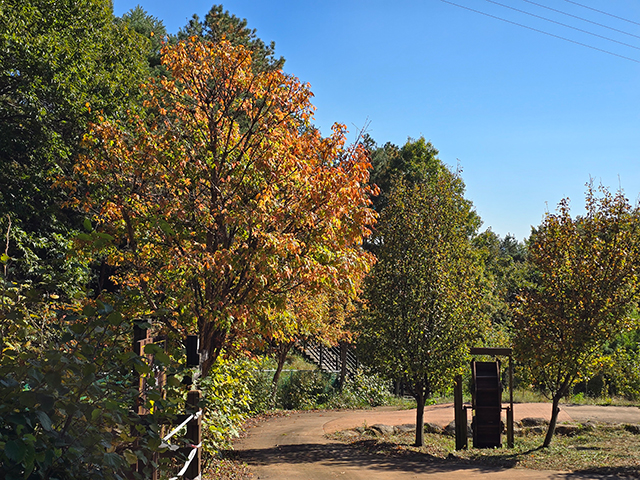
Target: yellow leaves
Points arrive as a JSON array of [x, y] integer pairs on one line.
[[224, 197]]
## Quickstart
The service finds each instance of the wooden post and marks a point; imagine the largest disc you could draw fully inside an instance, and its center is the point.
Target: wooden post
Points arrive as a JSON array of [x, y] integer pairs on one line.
[[343, 364], [510, 427], [460, 415], [140, 339], [194, 434], [192, 347], [510, 410]]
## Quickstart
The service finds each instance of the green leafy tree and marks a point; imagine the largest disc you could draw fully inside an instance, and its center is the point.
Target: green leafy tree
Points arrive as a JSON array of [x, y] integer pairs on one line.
[[506, 273], [416, 161], [587, 273], [150, 28], [62, 65], [219, 24], [423, 295]]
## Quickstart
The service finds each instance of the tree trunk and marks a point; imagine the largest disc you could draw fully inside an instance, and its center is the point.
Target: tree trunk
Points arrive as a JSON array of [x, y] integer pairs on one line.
[[282, 350], [420, 400], [343, 364], [554, 419], [211, 341]]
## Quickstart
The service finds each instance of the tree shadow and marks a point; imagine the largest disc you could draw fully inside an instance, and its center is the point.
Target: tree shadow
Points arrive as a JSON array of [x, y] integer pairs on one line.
[[391, 457], [383, 456], [604, 473]]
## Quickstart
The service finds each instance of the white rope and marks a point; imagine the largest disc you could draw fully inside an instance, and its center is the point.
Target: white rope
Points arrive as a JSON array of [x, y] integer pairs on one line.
[[192, 455], [175, 430]]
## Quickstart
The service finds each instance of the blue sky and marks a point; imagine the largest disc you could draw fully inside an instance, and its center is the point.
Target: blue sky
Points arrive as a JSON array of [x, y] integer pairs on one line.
[[529, 117]]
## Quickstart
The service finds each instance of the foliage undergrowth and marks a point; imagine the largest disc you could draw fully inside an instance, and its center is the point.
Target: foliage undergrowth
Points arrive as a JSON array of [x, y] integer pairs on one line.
[[68, 380]]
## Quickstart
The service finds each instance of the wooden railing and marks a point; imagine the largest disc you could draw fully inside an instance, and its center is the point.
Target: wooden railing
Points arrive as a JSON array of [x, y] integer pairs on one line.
[[330, 359]]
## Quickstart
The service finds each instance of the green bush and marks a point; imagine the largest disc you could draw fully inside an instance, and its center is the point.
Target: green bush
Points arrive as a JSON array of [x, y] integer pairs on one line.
[[363, 390], [67, 389], [261, 390], [305, 389], [227, 399], [234, 390]]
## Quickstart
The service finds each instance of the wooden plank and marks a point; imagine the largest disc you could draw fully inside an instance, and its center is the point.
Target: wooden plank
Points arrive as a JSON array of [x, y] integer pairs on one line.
[[491, 351], [194, 434], [460, 416]]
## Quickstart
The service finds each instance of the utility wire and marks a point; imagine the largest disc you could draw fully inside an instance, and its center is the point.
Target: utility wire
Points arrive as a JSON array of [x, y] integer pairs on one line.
[[563, 24], [604, 13], [541, 31], [581, 18]]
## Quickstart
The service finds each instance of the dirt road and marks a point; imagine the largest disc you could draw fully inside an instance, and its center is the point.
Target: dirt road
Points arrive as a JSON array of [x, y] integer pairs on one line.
[[295, 447]]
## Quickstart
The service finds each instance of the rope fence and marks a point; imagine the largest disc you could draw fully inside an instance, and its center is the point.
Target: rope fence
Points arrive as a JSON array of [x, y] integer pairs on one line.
[[190, 458], [173, 448], [177, 429]]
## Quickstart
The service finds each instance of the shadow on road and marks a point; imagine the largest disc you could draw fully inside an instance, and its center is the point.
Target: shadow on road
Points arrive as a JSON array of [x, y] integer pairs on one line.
[[603, 473], [386, 458], [341, 456]]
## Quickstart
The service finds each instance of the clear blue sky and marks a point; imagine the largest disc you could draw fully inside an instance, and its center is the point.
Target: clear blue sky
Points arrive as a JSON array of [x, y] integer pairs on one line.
[[529, 117]]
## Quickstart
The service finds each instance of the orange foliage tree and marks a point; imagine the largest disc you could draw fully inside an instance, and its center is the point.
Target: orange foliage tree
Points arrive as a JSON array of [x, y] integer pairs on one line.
[[223, 200], [320, 316]]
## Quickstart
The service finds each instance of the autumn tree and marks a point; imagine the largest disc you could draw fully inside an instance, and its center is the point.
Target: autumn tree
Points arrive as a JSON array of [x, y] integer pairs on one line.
[[319, 316], [586, 270], [224, 199], [422, 295]]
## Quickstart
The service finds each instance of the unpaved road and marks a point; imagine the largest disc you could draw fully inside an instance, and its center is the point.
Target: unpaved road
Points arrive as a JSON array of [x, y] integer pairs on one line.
[[295, 447]]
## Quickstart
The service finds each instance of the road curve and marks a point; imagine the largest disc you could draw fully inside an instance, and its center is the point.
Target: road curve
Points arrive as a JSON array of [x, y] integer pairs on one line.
[[295, 448]]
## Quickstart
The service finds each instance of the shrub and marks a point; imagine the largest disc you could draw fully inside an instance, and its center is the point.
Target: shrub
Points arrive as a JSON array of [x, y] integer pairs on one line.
[[66, 391], [363, 389], [227, 399], [306, 389]]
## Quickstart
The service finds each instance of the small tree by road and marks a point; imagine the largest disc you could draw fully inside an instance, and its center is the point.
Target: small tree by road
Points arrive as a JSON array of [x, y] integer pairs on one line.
[[587, 270], [422, 295]]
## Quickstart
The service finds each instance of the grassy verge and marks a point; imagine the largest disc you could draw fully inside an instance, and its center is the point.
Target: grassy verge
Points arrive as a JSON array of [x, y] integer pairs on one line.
[[604, 449], [528, 396]]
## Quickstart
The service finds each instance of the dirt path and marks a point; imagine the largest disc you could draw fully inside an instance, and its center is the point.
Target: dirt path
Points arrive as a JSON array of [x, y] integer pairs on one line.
[[295, 447]]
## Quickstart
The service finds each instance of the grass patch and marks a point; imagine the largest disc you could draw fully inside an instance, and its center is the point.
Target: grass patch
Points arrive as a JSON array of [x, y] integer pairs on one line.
[[604, 449], [529, 396]]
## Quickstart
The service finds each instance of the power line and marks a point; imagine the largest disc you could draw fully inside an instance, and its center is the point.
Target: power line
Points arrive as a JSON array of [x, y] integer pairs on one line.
[[563, 24], [604, 13], [542, 31], [582, 18]]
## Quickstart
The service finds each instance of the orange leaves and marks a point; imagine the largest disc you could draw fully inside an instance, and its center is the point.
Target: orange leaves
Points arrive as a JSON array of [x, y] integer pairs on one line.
[[223, 198]]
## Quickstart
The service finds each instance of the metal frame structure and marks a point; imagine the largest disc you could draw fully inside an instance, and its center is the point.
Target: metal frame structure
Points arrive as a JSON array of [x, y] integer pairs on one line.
[[461, 408]]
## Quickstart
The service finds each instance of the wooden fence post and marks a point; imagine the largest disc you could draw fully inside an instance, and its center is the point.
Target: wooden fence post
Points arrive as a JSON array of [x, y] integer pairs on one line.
[[460, 415], [194, 434], [140, 339]]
